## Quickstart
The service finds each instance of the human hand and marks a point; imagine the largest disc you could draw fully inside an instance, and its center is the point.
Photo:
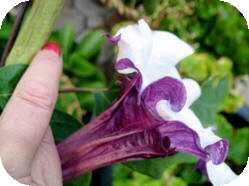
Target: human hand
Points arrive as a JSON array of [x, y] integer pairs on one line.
[[27, 146]]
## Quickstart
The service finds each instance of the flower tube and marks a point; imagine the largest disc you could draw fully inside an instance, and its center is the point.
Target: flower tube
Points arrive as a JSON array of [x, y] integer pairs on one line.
[[152, 118]]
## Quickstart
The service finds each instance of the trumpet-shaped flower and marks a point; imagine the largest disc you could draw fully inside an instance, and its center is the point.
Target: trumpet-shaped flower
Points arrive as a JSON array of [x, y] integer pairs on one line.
[[152, 118]]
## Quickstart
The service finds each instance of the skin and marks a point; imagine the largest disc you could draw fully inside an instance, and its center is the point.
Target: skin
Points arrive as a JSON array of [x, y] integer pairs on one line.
[[27, 146]]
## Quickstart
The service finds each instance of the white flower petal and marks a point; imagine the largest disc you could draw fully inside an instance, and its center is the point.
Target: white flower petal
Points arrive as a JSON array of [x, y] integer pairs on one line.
[[187, 116], [168, 48], [153, 74], [219, 174], [127, 71], [164, 110], [144, 28], [154, 53], [193, 91], [133, 44]]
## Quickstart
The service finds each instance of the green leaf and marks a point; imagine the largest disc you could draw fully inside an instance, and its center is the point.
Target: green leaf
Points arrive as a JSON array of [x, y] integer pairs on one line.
[[63, 125], [69, 102], [66, 39], [175, 181], [80, 181], [224, 128], [122, 175], [239, 148], [222, 67], [90, 45], [150, 6], [79, 66], [189, 174], [233, 102], [11, 73], [206, 9], [196, 66], [5, 30], [156, 167], [213, 94], [9, 77], [87, 100]]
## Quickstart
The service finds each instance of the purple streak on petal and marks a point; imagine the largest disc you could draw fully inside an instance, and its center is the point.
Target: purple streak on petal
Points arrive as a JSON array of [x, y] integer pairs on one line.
[[99, 122], [136, 145], [183, 139], [167, 88], [127, 63], [218, 151], [131, 143], [113, 39], [124, 63]]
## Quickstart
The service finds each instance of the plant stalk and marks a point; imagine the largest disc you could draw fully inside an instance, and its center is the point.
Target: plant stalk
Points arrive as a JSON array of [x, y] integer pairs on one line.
[[35, 30]]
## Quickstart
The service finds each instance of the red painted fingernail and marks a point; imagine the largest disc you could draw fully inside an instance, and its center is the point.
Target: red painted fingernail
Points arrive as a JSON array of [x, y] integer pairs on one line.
[[52, 46]]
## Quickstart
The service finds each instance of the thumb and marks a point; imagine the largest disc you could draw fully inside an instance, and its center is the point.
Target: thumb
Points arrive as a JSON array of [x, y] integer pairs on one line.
[[26, 117]]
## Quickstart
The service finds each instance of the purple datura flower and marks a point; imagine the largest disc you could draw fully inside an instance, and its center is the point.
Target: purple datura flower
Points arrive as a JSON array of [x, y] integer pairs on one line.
[[152, 118]]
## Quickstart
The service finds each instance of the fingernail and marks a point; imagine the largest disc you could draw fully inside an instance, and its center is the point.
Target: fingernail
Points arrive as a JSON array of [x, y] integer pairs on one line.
[[52, 46]]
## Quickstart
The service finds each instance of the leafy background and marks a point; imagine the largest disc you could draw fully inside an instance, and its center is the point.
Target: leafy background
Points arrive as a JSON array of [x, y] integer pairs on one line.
[[220, 36]]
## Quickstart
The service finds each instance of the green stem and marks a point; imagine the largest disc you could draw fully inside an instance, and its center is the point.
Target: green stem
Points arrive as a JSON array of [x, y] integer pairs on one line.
[[35, 30]]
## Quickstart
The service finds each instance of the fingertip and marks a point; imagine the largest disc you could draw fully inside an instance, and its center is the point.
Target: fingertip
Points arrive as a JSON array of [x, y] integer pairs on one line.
[[47, 56], [46, 67], [53, 47]]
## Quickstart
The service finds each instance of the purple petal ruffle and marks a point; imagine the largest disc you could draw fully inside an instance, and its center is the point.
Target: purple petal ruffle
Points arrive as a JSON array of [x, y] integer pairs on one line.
[[124, 64], [167, 88], [183, 139], [218, 151]]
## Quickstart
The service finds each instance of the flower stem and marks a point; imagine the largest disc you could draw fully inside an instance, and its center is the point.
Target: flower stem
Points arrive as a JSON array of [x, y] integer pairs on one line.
[[35, 30]]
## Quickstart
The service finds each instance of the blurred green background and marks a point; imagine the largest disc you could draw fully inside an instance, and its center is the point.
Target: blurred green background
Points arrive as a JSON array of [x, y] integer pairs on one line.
[[220, 36]]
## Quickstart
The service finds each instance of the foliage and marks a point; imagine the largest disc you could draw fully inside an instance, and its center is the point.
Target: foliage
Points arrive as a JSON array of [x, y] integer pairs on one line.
[[213, 30], [213, 94], [81, 181], [125, 176], [210, 26], [4, 32], [239, 146], [9, 77], [156, 167]]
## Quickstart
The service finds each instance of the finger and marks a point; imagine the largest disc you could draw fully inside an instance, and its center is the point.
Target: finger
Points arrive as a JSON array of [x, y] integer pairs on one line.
[[47, 158], [26, 116]]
